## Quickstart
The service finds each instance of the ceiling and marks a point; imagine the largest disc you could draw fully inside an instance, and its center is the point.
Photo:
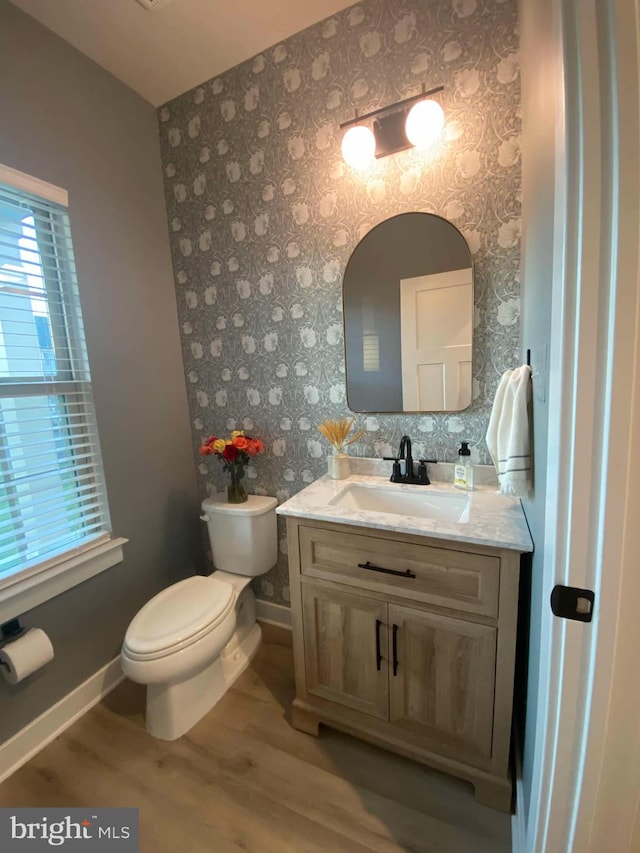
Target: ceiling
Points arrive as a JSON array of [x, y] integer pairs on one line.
[[162, 53]]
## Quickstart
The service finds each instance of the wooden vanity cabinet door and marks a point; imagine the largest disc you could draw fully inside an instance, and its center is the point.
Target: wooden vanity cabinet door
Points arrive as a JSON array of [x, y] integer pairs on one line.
[[340, 642], [443, 689]]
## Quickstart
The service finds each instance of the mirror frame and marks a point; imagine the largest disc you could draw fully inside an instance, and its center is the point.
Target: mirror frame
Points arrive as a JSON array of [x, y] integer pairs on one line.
[[344, 321]]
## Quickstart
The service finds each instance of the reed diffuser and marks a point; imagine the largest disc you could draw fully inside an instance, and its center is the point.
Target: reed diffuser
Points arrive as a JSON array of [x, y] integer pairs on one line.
[[337, 434]]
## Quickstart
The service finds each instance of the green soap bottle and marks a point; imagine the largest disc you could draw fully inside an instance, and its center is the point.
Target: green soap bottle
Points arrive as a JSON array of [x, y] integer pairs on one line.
[[463, 471]]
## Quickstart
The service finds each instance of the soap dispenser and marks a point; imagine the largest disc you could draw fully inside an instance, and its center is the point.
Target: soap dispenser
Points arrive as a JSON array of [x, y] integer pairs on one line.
[[463, 473]]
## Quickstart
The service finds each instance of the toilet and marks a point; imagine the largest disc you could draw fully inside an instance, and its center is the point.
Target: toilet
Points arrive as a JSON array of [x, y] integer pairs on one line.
[[190, 642]]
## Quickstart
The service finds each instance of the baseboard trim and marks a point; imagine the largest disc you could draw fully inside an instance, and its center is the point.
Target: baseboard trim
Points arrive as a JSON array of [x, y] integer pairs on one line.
[[273, 614], [518, 826], [36, 735]]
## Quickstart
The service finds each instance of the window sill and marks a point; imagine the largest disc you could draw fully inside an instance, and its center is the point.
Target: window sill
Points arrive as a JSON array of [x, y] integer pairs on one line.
[[29, 592]]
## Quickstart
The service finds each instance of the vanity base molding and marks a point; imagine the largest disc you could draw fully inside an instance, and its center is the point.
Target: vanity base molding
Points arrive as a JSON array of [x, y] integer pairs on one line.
[[492, 791], [407, 642]]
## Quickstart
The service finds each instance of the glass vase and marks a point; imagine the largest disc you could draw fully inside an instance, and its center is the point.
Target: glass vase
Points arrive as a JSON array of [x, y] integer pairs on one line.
[[338, 466], [236, 492]]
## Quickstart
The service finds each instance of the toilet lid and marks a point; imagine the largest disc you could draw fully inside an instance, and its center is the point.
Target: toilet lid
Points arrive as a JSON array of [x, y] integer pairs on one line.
[[177, 614]]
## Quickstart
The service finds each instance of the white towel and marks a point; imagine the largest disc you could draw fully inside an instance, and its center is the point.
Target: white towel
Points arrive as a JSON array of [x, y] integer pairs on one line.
[[508, 432]]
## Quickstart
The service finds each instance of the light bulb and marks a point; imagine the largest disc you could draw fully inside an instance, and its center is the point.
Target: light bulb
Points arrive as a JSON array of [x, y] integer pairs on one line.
[[358, 147], [424, 123]]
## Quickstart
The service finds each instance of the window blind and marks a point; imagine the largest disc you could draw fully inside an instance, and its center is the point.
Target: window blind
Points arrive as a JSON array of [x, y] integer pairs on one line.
[[52, 492]]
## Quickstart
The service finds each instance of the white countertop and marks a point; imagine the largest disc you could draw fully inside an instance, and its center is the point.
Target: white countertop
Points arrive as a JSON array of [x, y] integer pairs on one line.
[[494, 519]]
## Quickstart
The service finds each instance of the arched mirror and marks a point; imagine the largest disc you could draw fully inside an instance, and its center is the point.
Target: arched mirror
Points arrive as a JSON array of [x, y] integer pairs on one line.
[[408, 317]]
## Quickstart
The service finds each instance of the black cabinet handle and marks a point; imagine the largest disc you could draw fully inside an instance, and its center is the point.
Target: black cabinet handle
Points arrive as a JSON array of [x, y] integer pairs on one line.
[[378, 652], [395, 649], [370, 567]]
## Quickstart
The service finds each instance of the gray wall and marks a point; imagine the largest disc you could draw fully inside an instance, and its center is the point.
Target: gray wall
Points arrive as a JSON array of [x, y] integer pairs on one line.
[[542, 121], [65, 120], [264, 214]]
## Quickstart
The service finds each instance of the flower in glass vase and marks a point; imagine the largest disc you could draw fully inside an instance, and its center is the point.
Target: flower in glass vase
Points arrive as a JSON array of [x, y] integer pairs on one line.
[[235, 453]]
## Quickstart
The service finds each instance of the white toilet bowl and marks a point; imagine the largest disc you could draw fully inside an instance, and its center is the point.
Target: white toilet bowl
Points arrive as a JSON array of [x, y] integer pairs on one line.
[[190, 642]]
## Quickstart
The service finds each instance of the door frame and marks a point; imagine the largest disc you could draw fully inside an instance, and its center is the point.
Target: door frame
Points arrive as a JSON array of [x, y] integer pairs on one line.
[[586, 774]]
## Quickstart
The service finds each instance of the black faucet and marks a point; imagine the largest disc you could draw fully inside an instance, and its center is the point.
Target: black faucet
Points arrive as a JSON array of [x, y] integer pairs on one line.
[[404, 452], [409, 476]]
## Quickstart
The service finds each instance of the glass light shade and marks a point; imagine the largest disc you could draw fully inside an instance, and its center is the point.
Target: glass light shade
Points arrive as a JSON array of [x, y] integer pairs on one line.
[[424, 123], [358, 147]]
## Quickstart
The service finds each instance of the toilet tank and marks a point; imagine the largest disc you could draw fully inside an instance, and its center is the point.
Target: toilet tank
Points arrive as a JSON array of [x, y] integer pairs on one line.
[[244, 537]]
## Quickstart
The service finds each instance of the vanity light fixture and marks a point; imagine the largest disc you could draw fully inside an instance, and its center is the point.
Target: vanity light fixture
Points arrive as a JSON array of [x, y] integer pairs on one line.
[[359, 147], [413, 122]]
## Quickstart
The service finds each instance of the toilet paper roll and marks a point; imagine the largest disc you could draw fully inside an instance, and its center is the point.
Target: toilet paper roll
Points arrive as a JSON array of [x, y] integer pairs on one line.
[[21, 657]]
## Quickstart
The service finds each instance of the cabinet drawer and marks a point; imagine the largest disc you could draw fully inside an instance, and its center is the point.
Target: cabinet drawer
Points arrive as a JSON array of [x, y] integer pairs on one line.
[[456, 579]]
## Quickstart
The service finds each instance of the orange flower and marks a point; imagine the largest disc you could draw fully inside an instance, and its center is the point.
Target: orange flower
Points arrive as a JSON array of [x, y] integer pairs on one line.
[[241, 442], [255, 447], [205, 450]]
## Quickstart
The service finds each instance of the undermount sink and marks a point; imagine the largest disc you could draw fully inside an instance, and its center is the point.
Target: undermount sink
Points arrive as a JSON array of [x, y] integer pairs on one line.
[[421, 503]]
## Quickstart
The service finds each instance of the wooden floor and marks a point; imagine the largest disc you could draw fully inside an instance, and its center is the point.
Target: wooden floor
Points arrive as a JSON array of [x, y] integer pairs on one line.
[[243, 779]]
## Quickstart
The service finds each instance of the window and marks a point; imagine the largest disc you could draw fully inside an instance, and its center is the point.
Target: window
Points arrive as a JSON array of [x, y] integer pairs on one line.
[[53, 501]]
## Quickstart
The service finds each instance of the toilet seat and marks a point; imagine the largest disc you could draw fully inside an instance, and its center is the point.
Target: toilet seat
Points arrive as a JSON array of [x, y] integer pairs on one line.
[[178, 616]]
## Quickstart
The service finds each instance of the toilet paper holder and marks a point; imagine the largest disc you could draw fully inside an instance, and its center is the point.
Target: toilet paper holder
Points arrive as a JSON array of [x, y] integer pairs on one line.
[[9, 632], [23, 651]]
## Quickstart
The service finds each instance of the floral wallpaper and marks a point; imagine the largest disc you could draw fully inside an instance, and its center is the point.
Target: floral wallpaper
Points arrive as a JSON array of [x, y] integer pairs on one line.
[[263, 215]]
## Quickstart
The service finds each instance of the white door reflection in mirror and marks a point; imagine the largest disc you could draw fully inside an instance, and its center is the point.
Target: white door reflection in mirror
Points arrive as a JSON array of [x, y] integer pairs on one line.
[[436, 333]]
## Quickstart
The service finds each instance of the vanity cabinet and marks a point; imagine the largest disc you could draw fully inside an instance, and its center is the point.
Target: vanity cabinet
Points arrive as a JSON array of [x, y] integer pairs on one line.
[[408, 642], [342, 633], [442, 679]]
